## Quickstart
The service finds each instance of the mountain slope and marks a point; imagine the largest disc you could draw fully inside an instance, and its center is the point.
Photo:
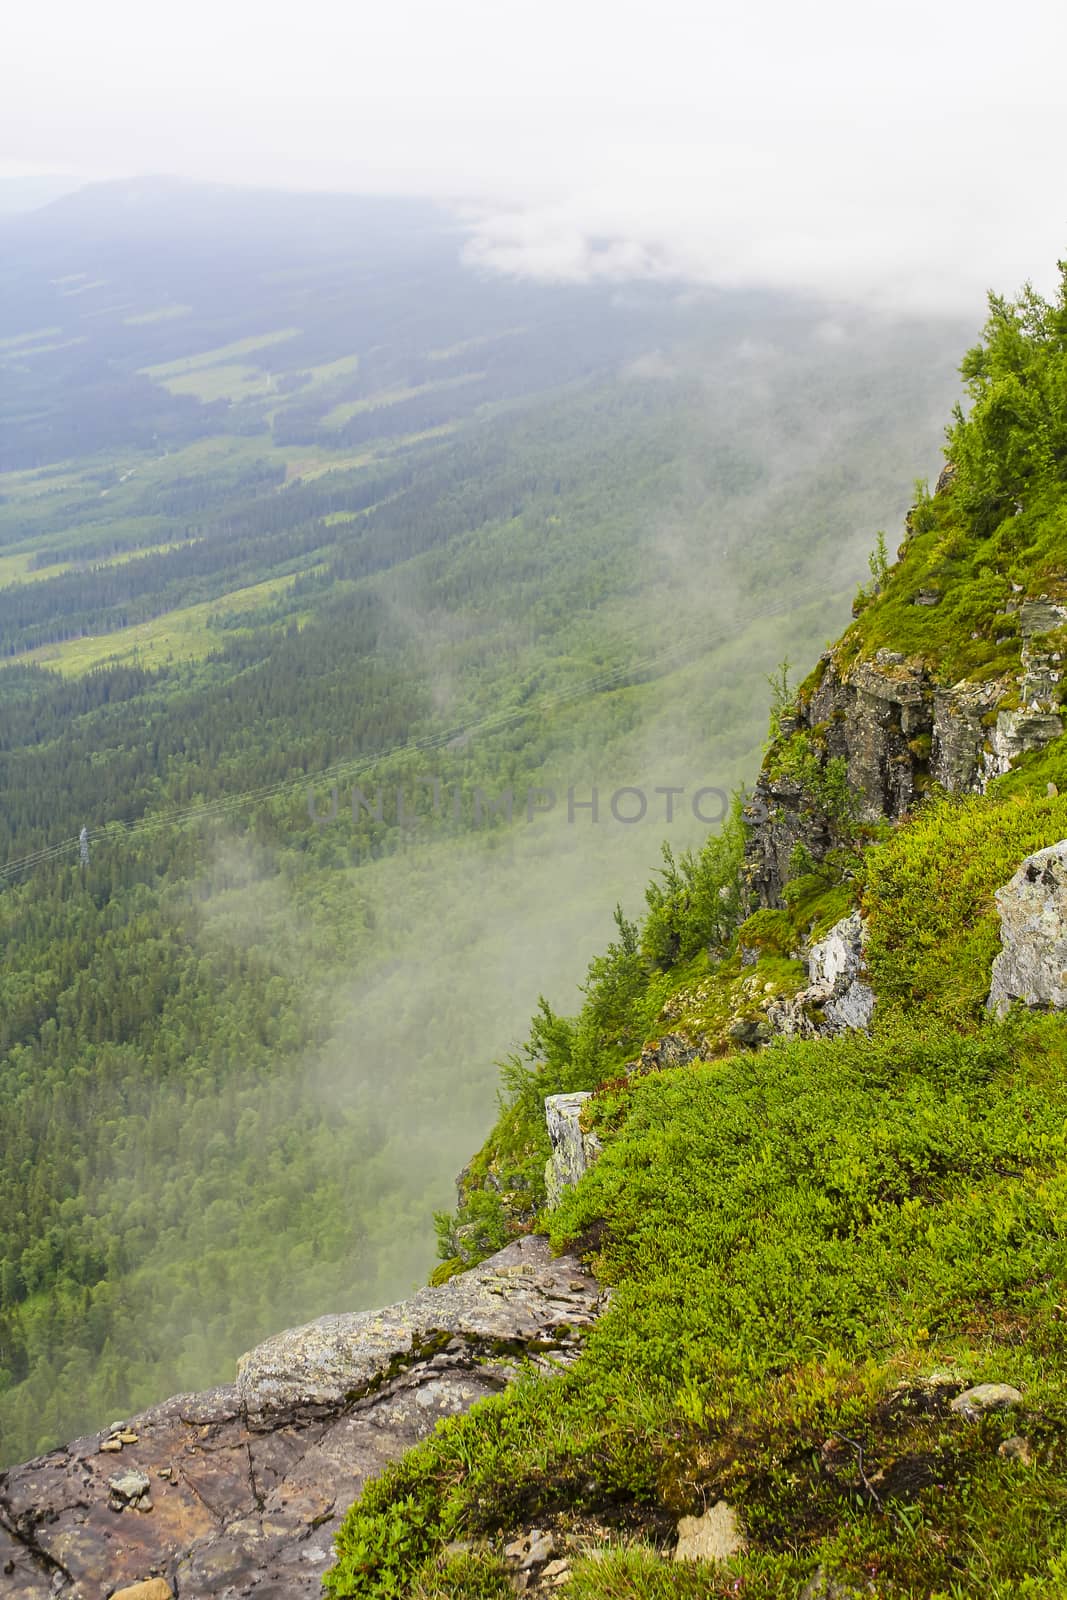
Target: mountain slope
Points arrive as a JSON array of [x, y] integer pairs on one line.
[[821, 1249]]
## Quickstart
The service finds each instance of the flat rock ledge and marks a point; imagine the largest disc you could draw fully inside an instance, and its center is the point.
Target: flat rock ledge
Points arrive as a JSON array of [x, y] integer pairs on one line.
[[248, 1483]]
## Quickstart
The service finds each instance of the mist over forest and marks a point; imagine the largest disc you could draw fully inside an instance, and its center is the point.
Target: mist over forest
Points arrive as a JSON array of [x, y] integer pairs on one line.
[[295, 500]]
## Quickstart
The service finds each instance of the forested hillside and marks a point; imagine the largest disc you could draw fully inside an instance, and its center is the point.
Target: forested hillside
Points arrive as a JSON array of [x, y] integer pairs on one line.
[[292, 499]]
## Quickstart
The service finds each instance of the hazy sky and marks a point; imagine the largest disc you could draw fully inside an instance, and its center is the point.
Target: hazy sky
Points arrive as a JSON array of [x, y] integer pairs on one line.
[[909, 152]]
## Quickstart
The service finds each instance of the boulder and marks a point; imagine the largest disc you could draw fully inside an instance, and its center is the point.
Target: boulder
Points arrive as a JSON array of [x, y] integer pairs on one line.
[[973, 1403], [1031, 969], [573, 1152], [520, 1296], [250, 1483]]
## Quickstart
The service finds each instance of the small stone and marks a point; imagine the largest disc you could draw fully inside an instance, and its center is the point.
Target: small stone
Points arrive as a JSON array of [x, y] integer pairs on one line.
[[126, 1437], [144, 1503], [111, 1445], [716, 1536], [149, 1589], [1016, 1449], [972, 1403], [556, 1571], [531, 1549], [128, 1486]]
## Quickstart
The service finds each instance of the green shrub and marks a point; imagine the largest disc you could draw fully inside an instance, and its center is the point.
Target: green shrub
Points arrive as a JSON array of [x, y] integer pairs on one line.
[[789, 1236], [928, 897]]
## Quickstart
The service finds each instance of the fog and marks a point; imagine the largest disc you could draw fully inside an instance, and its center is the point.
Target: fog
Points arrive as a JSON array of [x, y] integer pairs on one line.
[[906, 156]]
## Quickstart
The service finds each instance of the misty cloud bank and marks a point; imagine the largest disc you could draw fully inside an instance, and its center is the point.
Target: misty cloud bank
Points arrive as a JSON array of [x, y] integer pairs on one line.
[[908, 159]]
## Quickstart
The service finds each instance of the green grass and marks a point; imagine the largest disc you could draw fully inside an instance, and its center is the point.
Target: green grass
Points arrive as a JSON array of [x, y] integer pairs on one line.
[[160, 314], [345, 410], [219, 356], [16, 339], [222, 382], [44, 349], [187, 634], [928, 898]]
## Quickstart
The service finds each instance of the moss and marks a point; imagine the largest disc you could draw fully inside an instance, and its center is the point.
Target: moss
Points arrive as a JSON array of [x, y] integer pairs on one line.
[[767, 931]]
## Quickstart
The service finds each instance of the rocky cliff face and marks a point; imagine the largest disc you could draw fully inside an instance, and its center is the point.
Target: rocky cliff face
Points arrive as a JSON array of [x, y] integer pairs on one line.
[[893, 729], [237, 1492]]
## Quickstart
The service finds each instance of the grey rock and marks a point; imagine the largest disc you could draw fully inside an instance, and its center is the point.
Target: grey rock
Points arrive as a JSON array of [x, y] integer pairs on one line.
[[973, 1403], [822, 1587], [750, 1031], [520, 1296], [669, 1051], [959, 735], [716, 1536], [531, 1549], [896, 728], [838, 997], [129, 1485], [1031, 968], [247, 1496], [1017, 733], [573, 1152]]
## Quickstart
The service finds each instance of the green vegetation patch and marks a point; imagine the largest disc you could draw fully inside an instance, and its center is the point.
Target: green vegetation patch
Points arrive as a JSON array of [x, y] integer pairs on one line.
[[928, 898], [796, 1240]]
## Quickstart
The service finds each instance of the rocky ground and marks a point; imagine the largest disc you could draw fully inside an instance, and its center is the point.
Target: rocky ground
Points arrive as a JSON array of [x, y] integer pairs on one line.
[[237, 1492]]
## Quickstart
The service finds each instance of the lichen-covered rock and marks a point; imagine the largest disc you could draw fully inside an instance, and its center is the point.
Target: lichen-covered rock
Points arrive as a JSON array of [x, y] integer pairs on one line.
[[1031, 969], [573, 1152], [522, 1296], [959, 754], [670, 1050], [247, 1497], [974, 1403], [837, 997], [1037, 719]]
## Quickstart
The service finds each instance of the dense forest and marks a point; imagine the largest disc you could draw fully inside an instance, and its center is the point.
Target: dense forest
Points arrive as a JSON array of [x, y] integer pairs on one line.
[[291, 500]]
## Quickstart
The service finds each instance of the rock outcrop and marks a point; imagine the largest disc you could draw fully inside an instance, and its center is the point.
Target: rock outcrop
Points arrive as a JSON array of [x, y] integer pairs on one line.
[[837, 997], [573, 1152], [1031, 969], [1037, 719], [896, 728], [246, 1484]]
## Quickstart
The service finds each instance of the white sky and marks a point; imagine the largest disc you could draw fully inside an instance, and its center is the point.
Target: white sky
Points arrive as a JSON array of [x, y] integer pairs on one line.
[[910, 153]]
